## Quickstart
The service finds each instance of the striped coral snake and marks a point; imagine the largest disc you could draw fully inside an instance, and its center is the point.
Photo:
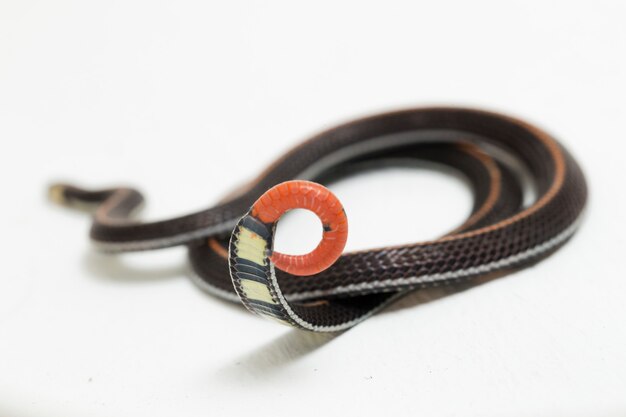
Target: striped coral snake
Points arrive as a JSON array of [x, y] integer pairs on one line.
[[231, 244]]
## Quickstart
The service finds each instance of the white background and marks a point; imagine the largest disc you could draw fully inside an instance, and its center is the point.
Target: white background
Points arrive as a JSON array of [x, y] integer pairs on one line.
[[188, 99]]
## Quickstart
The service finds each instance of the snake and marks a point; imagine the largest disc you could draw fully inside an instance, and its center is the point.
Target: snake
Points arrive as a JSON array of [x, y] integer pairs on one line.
[[529, 199]]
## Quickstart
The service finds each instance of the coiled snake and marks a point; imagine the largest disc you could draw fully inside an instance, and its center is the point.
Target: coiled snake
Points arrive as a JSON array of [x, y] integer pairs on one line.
[[231, 244]]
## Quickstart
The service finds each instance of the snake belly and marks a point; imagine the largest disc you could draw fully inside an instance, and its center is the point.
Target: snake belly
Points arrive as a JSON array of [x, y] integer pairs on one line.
[[501, 157]]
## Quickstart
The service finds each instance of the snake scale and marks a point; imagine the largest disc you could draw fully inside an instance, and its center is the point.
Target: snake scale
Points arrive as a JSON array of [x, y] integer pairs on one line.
[[231, 244]]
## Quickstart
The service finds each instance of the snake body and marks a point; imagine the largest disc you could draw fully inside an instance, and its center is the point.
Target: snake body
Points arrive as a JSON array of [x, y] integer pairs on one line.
[[502, 157]]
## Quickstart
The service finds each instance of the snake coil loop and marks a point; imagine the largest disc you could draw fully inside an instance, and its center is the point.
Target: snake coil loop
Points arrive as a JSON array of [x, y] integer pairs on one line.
[[252, 258], [503, 158]]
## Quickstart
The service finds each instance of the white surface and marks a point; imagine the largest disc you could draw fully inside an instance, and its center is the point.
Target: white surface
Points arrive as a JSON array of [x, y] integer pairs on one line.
[[162, 95]]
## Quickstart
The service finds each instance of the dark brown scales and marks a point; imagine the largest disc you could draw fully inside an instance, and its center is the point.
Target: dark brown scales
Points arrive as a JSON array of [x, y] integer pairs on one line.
[[500, 234]]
